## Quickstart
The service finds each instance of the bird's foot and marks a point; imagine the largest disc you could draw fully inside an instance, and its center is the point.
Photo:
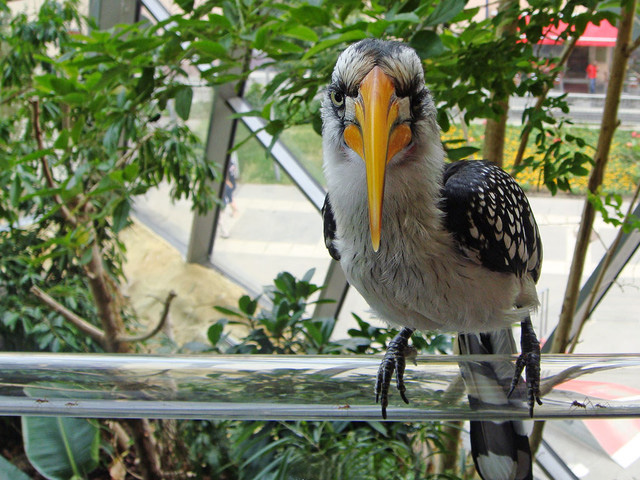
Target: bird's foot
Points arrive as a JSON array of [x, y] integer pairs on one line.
[[529, 359], [394, 360]]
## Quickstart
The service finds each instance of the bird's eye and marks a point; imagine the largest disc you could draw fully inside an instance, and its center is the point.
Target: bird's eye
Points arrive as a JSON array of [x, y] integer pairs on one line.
[[337, 98]]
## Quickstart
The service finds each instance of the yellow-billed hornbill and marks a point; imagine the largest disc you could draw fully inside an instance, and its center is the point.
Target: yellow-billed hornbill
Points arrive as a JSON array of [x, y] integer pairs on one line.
[[429, 245]]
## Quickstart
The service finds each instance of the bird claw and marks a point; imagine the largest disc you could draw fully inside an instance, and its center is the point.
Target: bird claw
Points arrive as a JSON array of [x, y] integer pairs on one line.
[[529, 359], [394, 360]]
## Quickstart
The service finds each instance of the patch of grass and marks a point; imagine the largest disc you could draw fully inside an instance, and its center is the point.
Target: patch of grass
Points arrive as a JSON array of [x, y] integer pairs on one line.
[[256, 166]]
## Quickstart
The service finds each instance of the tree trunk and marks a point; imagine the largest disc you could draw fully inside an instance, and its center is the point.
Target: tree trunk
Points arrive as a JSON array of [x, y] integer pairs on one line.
[[607, 127], [494, 135], [495, 130]]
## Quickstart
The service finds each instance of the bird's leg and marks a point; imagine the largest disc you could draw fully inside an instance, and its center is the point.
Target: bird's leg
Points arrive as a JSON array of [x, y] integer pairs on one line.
[[394, 360], [529, 358]]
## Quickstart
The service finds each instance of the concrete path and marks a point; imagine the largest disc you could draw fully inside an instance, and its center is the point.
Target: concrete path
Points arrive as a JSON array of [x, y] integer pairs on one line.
[[276, 229]]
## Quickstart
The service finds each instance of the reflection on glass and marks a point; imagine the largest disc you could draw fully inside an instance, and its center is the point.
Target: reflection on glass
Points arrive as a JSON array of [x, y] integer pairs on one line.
[[296, 387]]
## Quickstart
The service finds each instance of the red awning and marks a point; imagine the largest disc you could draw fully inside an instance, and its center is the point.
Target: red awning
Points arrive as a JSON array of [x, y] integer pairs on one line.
[[603, 35]]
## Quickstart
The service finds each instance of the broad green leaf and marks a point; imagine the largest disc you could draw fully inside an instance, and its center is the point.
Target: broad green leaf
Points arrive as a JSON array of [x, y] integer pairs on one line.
[[8, 471], [63, 86], [62, 141], [277, 46], [301, 32], [427, 44], [228, 311], [403, 17], [75, 98], [247, 305], [208, 47], [214, 333], [461, 152], [444, 12], [378, 28], [311, 15], [130, 172], [185, 5], [274, 127], [37, 154], [61, 447], [347, 37], [121, 215], [183, 101], [219, 20]]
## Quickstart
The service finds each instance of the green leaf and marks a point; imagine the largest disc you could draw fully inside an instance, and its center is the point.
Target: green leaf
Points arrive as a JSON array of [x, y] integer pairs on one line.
[[61, 447], [130, 172], [444, 12], [377, 28], [461, 152], [8, 471], [75, 98], [301, 33], [37, 155], [214, 332], [427, 44], [121, 215], [311, 15], [347, 37], [210, 48], [219, 20], [78, 128], [274, 127], [63, 86], [183, 98], [379, 427], [247, 305], [228, 311], [185, 5], [62, 142], [282, 46]]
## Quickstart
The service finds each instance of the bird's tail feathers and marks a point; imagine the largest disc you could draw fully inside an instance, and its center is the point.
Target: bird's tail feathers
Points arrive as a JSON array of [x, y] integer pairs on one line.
[[500, 450]]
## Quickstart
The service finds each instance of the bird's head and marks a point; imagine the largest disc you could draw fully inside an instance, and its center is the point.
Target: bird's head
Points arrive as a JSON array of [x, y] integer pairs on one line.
[[377, 110]]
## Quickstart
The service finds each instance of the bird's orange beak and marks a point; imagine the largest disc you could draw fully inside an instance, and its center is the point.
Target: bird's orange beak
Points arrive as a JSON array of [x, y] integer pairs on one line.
[[376, 137]]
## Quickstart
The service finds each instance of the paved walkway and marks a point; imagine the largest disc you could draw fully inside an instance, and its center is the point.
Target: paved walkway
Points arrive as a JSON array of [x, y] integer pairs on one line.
[[276, 229]]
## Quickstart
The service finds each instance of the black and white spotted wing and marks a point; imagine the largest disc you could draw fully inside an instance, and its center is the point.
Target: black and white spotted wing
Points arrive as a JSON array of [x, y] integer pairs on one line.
[[329, 229], [490, 217]]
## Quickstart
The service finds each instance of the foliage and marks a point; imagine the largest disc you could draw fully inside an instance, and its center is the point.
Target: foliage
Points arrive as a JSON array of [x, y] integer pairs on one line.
[[286, 328], [314, 450], [469, 68], [61, 448], [26, 260], [8, 470], [88, 122]]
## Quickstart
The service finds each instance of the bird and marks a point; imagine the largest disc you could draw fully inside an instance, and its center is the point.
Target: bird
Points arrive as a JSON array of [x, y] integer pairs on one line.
[[429, 244]]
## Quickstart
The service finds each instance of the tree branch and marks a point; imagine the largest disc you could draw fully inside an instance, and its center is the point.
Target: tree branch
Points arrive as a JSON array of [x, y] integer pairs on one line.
[[606, 261], [80, 323], [633, 46], [524, 138], [83, 199], [48, 175], [158, 327]]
